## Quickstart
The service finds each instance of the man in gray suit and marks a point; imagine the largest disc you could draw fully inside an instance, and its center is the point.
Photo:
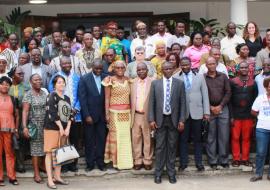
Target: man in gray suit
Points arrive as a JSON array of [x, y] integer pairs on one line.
[[36, 66], [166, 115], [198, 109]]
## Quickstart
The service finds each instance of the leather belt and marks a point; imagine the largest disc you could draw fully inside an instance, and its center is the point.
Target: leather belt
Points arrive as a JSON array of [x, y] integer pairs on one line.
[[138, 112]]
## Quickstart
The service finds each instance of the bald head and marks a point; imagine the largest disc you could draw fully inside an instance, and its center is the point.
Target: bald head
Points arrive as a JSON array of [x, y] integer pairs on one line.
[[215, 53], [142, 70], [167, 69], [97, 67], [88, 40], [65, 63], [211, 64]]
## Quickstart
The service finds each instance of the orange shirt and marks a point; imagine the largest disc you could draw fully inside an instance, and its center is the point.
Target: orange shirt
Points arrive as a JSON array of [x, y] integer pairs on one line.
[[7, 121]]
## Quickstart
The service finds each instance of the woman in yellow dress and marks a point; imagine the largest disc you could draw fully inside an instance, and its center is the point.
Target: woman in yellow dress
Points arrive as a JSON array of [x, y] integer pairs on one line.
[[117, 105], [160, 57]]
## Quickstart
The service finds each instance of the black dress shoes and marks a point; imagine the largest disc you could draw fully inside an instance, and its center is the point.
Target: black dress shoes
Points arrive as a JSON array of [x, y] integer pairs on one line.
[[157, 180], [102, 168], [182, 168], [226, 166], [255, 178], [89, 169], [213, 166], [172, 179], [200, 168]]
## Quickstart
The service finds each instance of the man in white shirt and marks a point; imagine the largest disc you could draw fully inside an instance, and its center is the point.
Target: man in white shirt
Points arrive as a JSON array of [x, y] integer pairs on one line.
[[215, 52], [166, 116], [179, 36], [161, 34], [264, 74], [229, 42], [66, 51], [142, 40], [13, 52]]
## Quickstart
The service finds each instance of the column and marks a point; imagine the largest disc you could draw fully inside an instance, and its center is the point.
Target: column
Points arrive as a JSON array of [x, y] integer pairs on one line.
[[239, 11]]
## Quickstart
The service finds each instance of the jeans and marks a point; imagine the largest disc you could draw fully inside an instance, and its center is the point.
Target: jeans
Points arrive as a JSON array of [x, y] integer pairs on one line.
[[262, 145]]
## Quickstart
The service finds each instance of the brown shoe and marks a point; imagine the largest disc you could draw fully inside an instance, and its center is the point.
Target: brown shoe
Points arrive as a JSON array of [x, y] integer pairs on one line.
[[137, 167], [147, 167]]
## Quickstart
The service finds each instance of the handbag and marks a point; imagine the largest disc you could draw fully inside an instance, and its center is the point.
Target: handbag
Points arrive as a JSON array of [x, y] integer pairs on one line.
[[205, 129], [32, 131], [66, 153]]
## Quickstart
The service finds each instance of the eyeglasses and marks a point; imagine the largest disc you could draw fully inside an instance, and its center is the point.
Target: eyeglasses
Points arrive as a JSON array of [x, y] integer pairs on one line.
[[120, 67], [21, 73]]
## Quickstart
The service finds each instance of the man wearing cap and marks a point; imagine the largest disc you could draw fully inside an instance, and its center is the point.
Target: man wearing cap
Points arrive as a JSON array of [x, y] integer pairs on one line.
[[144, 40], [3, 66]]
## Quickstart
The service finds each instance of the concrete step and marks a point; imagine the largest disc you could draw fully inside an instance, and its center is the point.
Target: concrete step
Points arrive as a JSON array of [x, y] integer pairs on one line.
[[112, 173]]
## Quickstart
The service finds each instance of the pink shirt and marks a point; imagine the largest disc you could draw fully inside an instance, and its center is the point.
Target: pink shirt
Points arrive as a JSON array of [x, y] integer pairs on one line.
[[194, 54], [140, 94]]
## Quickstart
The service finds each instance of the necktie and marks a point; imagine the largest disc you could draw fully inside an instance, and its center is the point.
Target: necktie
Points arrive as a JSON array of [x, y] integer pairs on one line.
[[187, 83], [168, 96]]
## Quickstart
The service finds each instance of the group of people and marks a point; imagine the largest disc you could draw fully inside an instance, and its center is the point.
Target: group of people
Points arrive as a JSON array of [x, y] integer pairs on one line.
[[130, 99]]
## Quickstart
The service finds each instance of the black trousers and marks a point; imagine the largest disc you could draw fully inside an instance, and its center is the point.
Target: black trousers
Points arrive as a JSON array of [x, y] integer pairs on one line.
[[193, 128], [165, 150], [95, 137]]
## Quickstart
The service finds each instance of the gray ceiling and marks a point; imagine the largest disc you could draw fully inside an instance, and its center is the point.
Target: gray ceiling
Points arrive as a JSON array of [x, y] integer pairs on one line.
[[18, 2], [92, 1]]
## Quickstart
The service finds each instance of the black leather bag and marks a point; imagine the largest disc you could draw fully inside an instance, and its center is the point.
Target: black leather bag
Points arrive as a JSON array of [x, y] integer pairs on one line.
[[205, 128]]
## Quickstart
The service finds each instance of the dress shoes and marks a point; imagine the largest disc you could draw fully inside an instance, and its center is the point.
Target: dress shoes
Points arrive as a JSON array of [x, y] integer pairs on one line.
[[157, 180], [137, 167], [200, 168], [236, 163], [255, 178], [89, 169], [182, 168], [102, 168], [213, 166], [225, 166], [147, 167], [172, 179]]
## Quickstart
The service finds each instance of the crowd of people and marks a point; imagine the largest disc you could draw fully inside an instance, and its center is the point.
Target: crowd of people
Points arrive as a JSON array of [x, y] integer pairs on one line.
[[124, 99]]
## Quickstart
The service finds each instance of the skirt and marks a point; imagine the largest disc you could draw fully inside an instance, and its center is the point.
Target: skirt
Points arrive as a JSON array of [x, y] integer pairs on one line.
[[51, 140]]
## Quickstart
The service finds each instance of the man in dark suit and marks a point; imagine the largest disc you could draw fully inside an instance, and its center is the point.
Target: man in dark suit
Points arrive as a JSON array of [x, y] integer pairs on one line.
[[92, 99], [167, 105]]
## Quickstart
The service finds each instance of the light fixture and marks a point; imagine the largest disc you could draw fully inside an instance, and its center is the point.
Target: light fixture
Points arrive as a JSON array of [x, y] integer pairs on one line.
[[37, 1]]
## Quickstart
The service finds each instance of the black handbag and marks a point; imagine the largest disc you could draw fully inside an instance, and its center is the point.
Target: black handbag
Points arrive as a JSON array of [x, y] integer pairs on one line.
[[205, 128]]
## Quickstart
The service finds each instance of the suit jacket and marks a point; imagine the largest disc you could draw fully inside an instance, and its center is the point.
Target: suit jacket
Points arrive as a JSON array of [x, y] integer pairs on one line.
[[178, 102], [133, 87], [197, 99], [92, 102], [46, 71]]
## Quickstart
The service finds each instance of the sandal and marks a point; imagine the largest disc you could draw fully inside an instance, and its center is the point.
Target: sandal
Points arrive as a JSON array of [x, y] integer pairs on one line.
[[40, 180], [61, 182], [51, 186], [13, 181], [2, 183]]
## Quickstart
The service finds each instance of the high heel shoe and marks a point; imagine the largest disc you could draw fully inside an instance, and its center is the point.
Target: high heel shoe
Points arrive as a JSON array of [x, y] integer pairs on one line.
[[51, 186]]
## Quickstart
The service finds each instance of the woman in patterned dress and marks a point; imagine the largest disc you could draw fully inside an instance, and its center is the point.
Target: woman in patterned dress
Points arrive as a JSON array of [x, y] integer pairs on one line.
[[34, 109], [117, 105], [18, 90]]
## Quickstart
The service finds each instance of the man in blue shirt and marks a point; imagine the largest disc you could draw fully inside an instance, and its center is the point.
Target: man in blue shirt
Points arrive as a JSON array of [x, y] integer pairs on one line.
[[121, 36], [72, 84]]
